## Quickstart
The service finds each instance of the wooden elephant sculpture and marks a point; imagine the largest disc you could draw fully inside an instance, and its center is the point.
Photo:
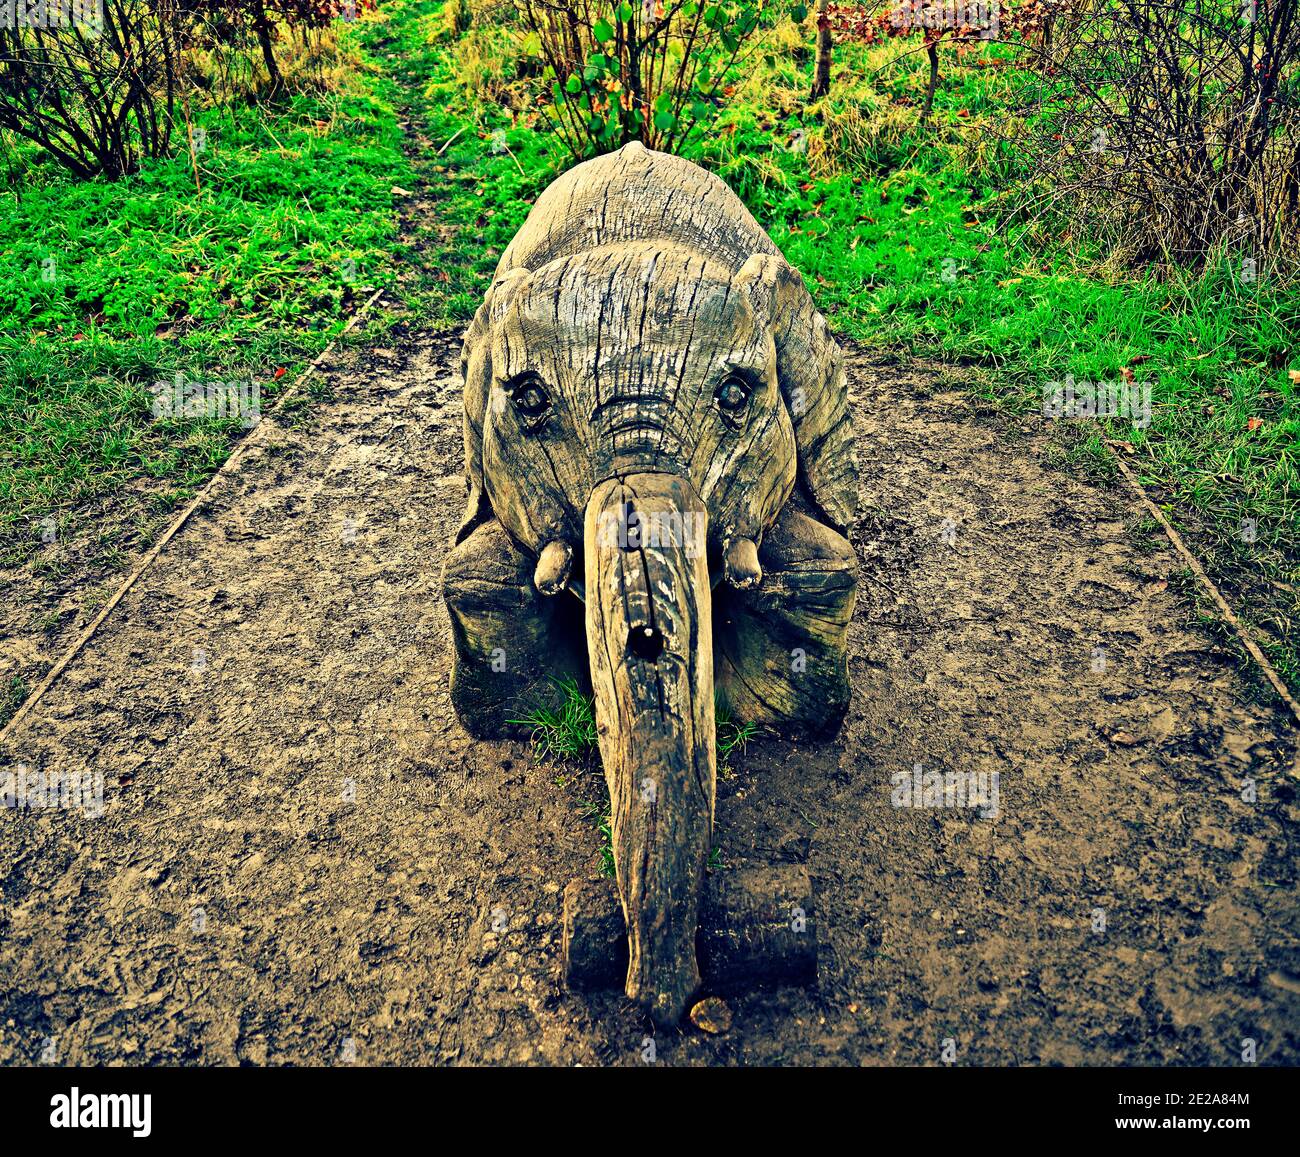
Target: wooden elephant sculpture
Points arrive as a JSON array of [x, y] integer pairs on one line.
[[656, 420]]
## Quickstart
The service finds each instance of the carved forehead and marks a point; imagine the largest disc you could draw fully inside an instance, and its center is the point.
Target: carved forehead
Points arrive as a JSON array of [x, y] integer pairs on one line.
[[630, 296]]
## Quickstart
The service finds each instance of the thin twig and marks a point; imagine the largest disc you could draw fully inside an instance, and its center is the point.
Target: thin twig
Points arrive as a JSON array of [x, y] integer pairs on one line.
[[1235, 623], [450, 142]]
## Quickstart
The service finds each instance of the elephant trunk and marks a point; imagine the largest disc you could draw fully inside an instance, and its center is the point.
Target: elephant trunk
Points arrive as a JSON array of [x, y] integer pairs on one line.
[[649, 636]]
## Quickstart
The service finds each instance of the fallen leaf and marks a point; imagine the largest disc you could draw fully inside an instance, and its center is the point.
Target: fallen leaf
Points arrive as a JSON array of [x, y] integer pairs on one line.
[[279, 373], [1294, 375], [399, 191], [711, 1015], [1254, 423], [1127, 373]]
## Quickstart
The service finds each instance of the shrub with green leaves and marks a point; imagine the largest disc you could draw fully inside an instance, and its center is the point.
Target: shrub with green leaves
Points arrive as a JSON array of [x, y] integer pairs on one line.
[[648, 71]]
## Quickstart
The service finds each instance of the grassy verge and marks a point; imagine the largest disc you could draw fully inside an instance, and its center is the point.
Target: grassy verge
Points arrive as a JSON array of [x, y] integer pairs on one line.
[[110, 286]]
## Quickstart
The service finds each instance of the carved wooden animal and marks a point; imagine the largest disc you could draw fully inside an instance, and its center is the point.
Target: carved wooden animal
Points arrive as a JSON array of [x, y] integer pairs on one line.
[[656, 421]]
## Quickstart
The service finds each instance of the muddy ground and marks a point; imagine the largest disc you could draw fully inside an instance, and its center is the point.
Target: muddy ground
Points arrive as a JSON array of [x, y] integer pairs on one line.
[[301, 856]]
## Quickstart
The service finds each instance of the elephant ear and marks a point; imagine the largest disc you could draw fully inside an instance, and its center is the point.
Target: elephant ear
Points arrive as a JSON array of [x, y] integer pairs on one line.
[[810, 372], [476, 371]]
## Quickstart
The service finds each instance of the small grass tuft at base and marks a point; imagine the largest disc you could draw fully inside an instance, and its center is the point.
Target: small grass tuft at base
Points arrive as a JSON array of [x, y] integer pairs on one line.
[[732, 736], [565, 729], [565, 726]]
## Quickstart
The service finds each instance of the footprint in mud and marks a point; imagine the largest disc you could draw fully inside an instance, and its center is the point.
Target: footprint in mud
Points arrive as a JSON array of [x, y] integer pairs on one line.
[[1097, 596]]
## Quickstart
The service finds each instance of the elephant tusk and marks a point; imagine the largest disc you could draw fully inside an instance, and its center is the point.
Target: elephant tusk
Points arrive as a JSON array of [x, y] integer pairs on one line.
[[553, 566], [740, 564]]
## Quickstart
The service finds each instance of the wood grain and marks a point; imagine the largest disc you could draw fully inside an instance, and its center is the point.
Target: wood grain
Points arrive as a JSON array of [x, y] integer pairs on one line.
[[655, 722], [645, 353], [757, 926]]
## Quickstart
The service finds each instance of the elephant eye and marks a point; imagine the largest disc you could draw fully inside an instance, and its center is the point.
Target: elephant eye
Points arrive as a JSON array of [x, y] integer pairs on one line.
[[733, 394], [529, 398]]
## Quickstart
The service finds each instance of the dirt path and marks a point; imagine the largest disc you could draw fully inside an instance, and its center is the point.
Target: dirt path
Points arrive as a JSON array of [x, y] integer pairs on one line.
[[301, 854]]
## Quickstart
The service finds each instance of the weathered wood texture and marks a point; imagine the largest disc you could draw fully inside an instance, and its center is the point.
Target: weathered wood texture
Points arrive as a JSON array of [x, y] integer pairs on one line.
[[649, 637], [779, 647], [629, 346], [757, 926], [618, 253], [645, 355], [512, 644]]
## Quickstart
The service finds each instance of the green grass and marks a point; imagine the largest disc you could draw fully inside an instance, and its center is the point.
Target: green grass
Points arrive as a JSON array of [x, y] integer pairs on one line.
[[564, 728], [733, 736], [247, 279], [11, 698], [598, 813]]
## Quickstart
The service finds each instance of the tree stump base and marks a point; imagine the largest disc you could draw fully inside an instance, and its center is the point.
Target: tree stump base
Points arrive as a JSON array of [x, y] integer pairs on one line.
[[756, 929]]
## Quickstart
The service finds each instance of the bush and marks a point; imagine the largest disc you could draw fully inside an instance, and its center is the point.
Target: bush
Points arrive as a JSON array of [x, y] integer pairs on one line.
[[648, 71], [1170, 129], [236, 29], [100, 95], [97, 96]]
